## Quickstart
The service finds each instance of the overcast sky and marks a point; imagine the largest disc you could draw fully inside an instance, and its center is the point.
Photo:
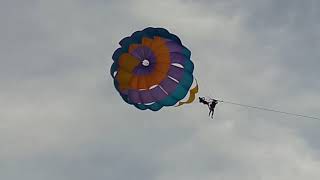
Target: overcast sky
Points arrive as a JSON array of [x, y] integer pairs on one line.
[[62, 119]]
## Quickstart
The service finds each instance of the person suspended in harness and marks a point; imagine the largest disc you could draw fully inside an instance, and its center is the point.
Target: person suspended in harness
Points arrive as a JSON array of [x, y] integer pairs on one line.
[[211, 104]]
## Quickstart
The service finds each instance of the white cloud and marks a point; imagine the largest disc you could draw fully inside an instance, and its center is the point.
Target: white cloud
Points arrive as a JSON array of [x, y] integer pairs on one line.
[[61, 118]]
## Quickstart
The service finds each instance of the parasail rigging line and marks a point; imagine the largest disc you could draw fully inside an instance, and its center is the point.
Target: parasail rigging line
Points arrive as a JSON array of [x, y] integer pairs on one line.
[[268, 109]]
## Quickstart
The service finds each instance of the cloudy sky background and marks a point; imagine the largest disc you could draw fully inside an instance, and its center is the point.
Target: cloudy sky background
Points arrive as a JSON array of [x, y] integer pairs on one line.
[[61, 118]]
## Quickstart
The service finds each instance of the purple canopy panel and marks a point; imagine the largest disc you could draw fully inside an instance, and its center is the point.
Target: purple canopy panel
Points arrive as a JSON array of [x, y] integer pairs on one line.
[[169, 85], [134, 96], [176, 72], [177, 58], [174, 47], [146, 96], [158, 93]]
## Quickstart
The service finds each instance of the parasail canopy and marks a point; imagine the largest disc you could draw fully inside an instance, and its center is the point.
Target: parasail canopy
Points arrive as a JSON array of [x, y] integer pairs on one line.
[[153, 69]]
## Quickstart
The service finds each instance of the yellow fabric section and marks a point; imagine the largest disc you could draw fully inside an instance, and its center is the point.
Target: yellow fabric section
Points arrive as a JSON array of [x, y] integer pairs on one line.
[[160, 50], [132, 47], [142, 83], [146, 41], [192, 96], [123, 78], [127, 63], [162, 64], [134, 82]]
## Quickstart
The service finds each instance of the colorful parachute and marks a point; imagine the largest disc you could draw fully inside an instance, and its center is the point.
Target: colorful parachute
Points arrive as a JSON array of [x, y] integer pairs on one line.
[[153, 69]]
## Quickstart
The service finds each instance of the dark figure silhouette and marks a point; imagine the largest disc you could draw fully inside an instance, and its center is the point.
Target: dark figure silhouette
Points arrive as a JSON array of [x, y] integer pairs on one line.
[[211, 105], [203, 101]]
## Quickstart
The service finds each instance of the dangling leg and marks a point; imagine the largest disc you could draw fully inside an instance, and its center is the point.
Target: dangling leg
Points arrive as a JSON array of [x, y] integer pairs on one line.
[[212, 110]]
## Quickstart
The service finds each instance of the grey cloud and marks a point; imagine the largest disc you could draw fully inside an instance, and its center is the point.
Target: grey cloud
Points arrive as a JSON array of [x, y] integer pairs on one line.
[[61, 117]]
